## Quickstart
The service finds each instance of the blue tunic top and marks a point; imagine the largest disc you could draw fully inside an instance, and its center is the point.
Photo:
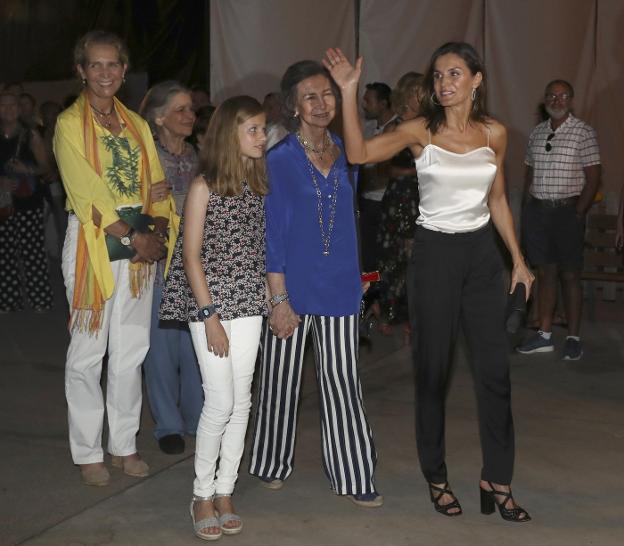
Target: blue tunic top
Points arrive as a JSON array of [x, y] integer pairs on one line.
[[317, 284]]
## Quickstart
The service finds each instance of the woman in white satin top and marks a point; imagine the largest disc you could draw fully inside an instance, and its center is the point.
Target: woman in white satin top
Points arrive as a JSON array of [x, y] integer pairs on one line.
[[454, 187], [457, 270]]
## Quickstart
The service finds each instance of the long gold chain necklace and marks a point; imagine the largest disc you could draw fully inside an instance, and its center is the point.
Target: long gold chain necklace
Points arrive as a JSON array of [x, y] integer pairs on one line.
[[325, 235]]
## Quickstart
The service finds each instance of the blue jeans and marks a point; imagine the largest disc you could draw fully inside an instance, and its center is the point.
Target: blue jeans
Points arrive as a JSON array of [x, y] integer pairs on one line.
[[172, 377]]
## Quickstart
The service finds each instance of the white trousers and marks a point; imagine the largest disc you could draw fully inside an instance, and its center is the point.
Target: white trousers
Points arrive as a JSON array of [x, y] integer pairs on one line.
[[227, 402], [125, 331]]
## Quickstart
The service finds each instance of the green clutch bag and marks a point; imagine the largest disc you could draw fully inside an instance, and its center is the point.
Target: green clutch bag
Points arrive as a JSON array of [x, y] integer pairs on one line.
[[139, 221]]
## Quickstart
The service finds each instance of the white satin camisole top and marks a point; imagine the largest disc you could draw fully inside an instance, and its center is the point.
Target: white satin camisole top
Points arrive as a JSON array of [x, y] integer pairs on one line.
[[454, 188]]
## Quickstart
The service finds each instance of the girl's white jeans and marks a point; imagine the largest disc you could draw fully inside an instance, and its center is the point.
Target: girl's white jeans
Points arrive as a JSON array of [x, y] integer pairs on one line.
[[227, 403]]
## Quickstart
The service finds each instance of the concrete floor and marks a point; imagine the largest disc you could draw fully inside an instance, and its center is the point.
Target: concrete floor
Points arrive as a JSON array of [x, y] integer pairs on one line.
[[569, 433]]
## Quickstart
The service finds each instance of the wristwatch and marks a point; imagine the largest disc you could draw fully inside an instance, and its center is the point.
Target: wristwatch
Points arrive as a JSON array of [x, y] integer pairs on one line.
[[126, 240], [207, 311]]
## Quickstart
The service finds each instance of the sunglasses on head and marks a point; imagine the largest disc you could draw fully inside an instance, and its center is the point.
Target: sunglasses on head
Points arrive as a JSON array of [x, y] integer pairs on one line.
[[548, 146]]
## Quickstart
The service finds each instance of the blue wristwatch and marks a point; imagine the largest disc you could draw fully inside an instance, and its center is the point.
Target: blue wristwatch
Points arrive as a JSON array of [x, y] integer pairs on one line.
[[207, 311]]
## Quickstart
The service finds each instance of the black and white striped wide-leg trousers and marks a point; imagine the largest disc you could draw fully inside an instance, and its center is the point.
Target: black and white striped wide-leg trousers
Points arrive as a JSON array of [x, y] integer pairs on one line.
[[349, 455]]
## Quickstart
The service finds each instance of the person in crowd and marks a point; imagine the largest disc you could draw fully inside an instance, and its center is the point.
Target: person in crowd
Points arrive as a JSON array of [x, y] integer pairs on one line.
[[619, 230], [54, 194], [171, 371], [377, 106], [216, 282], [407, 95], [108, 163], [68, 100], [200, 96], [23, 261], [457, 275], [275, 128], [14, 88], [314, 284], [28, 111], [399, 210], [202, 119], [562, 178]]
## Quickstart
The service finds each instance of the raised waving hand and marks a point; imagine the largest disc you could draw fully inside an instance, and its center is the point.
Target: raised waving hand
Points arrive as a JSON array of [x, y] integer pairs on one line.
[[341, 70]]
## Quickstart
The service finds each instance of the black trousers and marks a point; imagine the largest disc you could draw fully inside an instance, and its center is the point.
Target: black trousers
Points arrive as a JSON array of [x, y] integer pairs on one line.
[[370, 216], [458, 278]]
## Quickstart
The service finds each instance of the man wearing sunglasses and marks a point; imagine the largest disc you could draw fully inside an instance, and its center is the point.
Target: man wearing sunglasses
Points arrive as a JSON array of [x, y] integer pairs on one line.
[[562, 178]]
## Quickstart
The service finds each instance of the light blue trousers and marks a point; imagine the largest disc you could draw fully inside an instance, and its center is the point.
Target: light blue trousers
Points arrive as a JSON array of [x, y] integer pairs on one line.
[[172, 378]]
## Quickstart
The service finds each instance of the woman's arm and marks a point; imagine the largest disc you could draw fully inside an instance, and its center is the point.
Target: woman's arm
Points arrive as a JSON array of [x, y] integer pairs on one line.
[[379, 148], [395, 171], [194, 219], [162, 204], [85, 189], [501, 214], [39, 151], [283, 319], [89, 196]]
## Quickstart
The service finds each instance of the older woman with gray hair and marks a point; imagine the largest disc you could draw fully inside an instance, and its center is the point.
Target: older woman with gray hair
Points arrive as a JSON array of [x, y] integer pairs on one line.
[[171, 371], [315, 287]]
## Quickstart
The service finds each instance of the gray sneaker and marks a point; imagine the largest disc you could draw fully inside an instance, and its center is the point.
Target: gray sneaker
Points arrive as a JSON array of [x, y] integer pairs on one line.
[[536, 344], [572, 350]]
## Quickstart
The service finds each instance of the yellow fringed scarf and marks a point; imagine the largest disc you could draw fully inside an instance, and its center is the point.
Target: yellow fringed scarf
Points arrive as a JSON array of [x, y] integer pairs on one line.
[[88, 300]]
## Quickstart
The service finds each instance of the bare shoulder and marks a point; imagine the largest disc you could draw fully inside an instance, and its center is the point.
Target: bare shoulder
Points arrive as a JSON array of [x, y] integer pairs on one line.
[[498, 136], [199, 188], [496, 128], [196, 202]]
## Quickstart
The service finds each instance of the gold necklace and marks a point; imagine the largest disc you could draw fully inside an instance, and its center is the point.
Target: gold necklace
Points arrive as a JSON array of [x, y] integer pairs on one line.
[[308, 147], [104, 117]]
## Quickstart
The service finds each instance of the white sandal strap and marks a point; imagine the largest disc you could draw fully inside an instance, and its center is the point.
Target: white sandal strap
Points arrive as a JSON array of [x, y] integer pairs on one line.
[[206, 523], [226, 518]]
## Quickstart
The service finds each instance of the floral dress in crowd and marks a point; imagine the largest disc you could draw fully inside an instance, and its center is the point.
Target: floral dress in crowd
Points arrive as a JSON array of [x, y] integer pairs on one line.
[[396, 229]]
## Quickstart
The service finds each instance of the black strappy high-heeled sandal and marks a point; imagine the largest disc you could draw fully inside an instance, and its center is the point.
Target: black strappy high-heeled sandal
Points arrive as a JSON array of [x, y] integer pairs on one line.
[[444, 509], [489, 502]]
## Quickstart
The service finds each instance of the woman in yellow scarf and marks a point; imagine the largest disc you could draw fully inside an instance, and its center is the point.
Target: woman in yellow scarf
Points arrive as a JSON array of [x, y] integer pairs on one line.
[[110, 170]]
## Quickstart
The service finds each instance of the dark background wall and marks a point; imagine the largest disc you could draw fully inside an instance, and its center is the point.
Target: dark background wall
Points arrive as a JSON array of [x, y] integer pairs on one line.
[[167, 38]]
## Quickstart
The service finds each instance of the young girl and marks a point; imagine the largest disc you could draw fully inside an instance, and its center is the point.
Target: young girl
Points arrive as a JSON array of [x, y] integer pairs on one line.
[[221, 253]]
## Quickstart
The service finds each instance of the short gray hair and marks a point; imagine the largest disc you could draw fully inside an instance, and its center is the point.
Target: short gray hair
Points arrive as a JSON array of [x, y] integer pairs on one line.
[[157, 99], [99, 37]]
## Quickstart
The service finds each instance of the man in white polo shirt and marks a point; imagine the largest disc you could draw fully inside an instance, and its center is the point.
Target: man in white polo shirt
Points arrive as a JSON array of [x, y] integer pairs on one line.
[[562, 177]]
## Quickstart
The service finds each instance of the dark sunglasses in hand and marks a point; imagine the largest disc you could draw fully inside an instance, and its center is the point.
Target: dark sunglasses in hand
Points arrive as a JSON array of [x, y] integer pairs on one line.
[[548, 146]]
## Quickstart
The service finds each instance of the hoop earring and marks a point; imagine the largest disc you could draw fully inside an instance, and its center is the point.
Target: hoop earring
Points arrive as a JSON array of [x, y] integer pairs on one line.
[[474, 94], [432, 98]]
